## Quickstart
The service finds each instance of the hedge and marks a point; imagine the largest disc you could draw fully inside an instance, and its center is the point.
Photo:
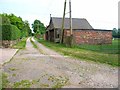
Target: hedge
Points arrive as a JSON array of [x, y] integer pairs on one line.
[[10, 32], [16, 33]]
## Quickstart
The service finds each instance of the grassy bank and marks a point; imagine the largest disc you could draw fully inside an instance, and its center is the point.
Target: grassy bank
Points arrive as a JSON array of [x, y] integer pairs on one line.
[[0, 79], [111, 48], [21, 44], [85, 54]]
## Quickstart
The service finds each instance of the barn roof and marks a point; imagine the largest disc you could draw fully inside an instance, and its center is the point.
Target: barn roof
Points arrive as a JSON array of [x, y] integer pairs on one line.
[[77, 23]]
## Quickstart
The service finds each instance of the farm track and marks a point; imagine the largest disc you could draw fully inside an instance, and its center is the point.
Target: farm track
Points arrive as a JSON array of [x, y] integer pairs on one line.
[[46, 68]]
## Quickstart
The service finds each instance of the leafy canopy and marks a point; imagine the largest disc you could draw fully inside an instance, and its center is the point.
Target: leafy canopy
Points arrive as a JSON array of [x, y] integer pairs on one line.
[[38, 27], [116, 33], [12, 24]]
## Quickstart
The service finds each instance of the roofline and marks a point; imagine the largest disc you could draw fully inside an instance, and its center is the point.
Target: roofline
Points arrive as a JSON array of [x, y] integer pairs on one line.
[[68, 18], [73, 18], [93, 29], [87, 30]]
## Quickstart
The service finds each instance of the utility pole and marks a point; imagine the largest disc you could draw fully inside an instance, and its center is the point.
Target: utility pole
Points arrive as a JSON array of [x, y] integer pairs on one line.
[[71, 31], [62, 29], [70, 18]]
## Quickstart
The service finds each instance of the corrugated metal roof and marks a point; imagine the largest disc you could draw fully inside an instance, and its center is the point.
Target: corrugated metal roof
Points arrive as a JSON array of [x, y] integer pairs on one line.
[[77, 23]]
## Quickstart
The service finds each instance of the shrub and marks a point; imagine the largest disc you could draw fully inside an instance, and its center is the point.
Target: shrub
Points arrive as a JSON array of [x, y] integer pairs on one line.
[[10, 32], [6, 32], [15, 33]]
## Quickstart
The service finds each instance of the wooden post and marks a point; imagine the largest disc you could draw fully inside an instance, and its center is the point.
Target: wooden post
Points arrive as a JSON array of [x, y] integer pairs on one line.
[[70, 18], [54, 35], [49, 35], [49, 31], [62, 28], [71, 31]]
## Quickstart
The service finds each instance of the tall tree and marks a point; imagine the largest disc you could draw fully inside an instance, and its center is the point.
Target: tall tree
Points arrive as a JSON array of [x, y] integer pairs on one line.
[[38, 27], [115, 33], [17, 21], [26, 29], [12, 19], [118, 32], [5, 20]]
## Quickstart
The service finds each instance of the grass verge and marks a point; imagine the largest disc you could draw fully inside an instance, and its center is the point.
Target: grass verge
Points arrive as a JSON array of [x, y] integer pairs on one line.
[[20, 84], [0, 79], [107, 58], [110, 48], [5, 82], [21, 44], [34, 45]]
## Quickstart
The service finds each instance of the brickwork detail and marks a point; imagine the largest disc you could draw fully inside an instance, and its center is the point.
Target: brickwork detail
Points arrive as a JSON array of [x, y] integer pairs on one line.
[[91, 36]]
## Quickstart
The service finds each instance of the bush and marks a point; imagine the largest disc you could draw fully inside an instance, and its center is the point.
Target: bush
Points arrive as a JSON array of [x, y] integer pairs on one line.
[[15, 33], [10, 32], [6, 32]]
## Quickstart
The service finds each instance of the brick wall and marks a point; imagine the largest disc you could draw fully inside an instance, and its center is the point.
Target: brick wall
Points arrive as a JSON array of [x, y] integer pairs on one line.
[[91, 36], [7, 44]]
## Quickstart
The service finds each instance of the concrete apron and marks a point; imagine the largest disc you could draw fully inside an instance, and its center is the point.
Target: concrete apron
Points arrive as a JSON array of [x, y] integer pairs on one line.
[[6, 55]]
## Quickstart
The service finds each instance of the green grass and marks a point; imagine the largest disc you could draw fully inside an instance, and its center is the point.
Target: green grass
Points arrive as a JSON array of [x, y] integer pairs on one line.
[[5, 82], [0, 79], [59, 82], [20, 84], [85, 54], [34, 45], [13, 69], [111, 48], [21, 44], [23, 84]]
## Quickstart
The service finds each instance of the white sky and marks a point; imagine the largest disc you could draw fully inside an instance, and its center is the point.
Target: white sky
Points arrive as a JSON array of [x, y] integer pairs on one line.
[[101, 14]]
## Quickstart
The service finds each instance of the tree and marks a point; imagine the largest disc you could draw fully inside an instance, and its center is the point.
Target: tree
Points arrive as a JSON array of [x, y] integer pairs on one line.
[[11, 19], [118, 32], [26, 29], [42, 28], [5, 20], [115, 33], [38, 27], [17, 21]]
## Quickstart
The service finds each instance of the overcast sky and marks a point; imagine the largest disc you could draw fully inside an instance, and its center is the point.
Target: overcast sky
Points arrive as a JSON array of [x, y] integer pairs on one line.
[[101, 14]]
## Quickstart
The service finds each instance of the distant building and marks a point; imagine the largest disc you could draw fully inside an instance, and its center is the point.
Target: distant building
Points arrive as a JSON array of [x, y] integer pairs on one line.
[[83, 32]]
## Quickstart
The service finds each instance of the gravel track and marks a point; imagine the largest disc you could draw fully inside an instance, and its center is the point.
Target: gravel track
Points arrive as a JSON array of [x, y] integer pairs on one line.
[[50, 69]]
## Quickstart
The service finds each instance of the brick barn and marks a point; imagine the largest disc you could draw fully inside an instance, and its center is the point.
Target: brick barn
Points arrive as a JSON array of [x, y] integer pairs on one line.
[[83, 32]]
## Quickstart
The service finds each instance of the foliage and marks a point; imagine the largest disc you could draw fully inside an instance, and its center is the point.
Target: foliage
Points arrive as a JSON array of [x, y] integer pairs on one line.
[[38, 27], [111, 59], [12, 69], [0, 79], [59, 82], [34, 45], [116, 33], [11, 19], [6, 32], [16, 33], [21, 44], [110, 48], [10, 32], [14, 20], [23, 83], [5, 82], [5, 20], [26, 29], [17, 21]]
